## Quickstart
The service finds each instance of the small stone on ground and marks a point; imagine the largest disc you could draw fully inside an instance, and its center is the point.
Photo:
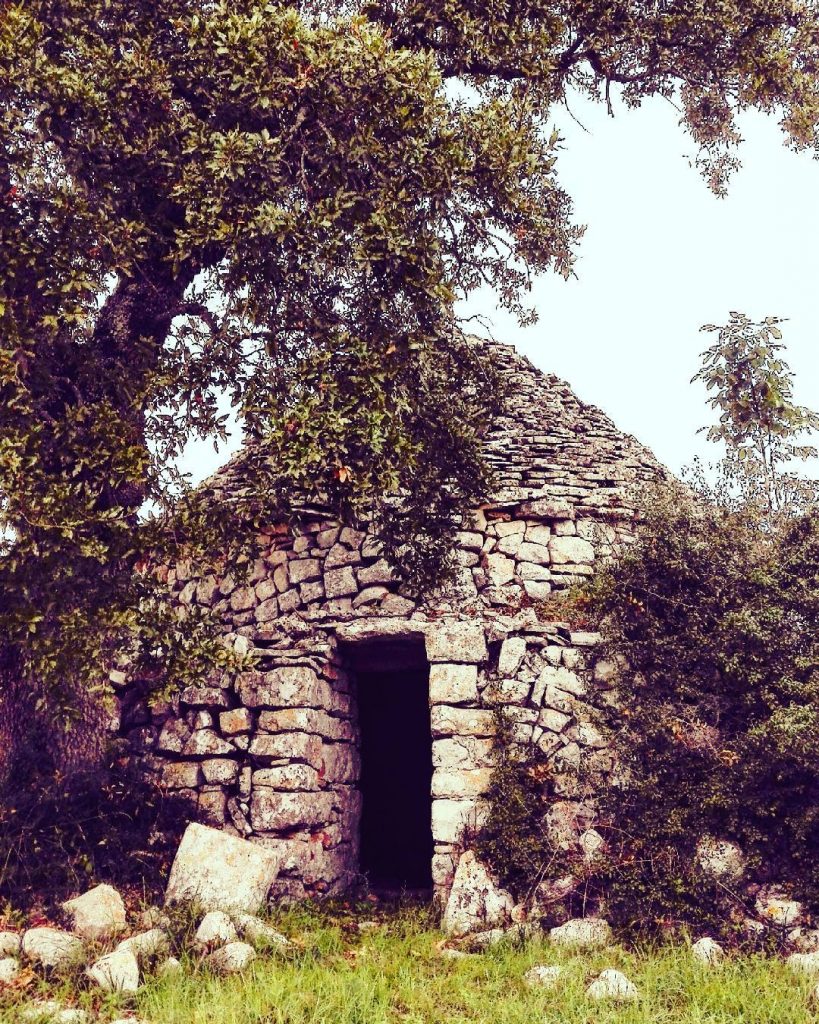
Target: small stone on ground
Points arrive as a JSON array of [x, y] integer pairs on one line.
[[613, 985], [582, 933], [51, 947], [116, 972], [707, 951], [98, 914], [232, 958], [216, 929], [543, 977]]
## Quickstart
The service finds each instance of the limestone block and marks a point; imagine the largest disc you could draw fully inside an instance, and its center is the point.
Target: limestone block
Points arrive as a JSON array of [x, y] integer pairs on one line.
[[547, 508], [453, 684], [287, 746], [449, 721], [582, 933], [589, 735], [463, 752], [379, 572], [776, 906], [50, 1011], [500, 569], [537, 590], [220, 770], [583, 638], [341, 762], [267, 611], [180, 775], [443, 869], [539, 535], [460, 784], [567, 550], [559, 678], [340, 583], [511, 691], [566, 528], [537, 553], [370, 595], [614, 986], [233, 958], [215, 929], [309, 720], [554, 721], [339, 555], [312, 591], [288, 777], [512, 653], [116, 972], [511, 544], [220, 871], [242, 599], [510, 528], [476, 903], [204, 697], [289, 601], [461, 642], [238, 720], [352, 538], [207, 743], [291, 686], [145, 945], [51, 947], [469, 540], [265, 589], [304, 569], [804, 963], [326, 538], [271, 811], [530, 571], [394, 604], [173, 737], [451, 817], [206, 591], [281, 577], [98, 914]]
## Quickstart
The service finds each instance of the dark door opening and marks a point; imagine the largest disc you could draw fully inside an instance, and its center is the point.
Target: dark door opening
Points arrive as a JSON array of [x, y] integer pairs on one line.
[[396, 767]]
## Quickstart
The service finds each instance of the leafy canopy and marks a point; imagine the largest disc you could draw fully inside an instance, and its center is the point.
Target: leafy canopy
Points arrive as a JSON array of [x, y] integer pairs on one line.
[[282, 203]]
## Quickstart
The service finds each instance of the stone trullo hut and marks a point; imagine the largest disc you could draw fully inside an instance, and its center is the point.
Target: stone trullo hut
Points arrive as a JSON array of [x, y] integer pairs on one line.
[[362, 742]]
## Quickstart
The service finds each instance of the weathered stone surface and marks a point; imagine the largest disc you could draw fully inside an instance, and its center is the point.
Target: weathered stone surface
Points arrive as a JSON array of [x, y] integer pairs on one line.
[[168, 967], [570, 550], [450, 818], [707, 951], [146, 944], [804, 963], [512, 654], [460, 783], [582, 933], [52, 947], [453, 684], [776, 906], [215, 929], [10, 943], [96, 915], [285, 746], [288, 777], [476, 903], [720, 859], [462, 642], [49, 1011], [220, 871], [539, 554], [340, 582], [271, 811], [259, 932], [291, 686], [233, 958], [500, 568], [463, 752], [544, 977], [303, 570], [449, 721], [9, 970], [477, 942], [613, 985], [115, 972]]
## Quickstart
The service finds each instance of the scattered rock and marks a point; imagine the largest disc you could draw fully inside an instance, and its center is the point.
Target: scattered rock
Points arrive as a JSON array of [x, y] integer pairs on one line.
[[232, 958], [220, 871], [775, 906], [707, 951], [116, 972], [448, 953], [9, 943], [259, 932], [804, 963], [543, 977], [582, 933], [168, 967], [479, 941], [216, 929], [49, 1011], [154, 917], [524, 931], [613, 985], [98, 914], [475, 903], [9, 969], [146, 944], [804, 940], [51, 947], [720, 859]]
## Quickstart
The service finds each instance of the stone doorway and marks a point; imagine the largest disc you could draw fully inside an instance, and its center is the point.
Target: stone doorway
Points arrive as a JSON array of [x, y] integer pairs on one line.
[[392, 690]]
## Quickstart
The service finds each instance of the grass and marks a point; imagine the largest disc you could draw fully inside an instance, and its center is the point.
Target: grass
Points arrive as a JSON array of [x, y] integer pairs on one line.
[[334, 974]]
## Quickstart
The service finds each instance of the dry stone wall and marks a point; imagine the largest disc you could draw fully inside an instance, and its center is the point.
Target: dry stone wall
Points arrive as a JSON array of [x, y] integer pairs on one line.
[[274, 754]]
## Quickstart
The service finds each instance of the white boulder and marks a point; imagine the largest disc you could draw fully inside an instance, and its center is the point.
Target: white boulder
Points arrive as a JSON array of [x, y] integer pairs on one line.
[[98, 914], [146, 944], [232, 958], [804, 963], [254, 929], [582, 933], [9, 969], [49, 1011], [169, 967], [51, 947], [220, 871], [475, 903], [216, 929], [720, 859], [775, 906], [115, 972], [707, 951], [10, 943], [613, 985], [543, 977]]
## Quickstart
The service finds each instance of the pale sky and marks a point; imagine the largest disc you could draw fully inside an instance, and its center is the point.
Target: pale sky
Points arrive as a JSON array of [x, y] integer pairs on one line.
[[661, 257]]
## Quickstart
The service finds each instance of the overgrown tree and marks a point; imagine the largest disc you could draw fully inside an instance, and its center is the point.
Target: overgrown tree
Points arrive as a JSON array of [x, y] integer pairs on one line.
[[282, 202]]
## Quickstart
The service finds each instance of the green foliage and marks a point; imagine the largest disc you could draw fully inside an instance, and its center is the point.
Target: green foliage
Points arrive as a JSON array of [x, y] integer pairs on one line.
[[281, 204], [60, 835], [716, 626], [759, 422]]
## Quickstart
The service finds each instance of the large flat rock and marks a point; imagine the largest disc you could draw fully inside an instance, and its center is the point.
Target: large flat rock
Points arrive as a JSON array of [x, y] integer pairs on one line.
[[218, 871]]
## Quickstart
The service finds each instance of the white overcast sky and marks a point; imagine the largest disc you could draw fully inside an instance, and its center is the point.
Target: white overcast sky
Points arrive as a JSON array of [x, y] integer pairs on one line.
[[662, 256]]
